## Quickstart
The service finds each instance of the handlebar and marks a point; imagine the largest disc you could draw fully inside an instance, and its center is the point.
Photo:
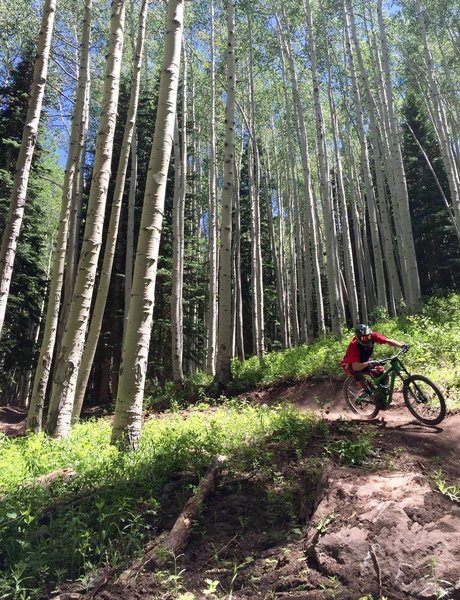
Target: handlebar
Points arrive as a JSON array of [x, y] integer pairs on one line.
[[403, 350]]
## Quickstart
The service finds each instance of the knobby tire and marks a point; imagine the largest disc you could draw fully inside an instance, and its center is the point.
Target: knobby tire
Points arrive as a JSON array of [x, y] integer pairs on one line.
[[424, 400], [351, 390]]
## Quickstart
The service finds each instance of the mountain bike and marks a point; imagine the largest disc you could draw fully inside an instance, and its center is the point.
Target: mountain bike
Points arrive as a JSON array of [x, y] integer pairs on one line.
[[421, 396]]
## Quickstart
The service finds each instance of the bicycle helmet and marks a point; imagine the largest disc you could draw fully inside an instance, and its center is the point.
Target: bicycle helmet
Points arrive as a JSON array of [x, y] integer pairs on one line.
[[364, 335]]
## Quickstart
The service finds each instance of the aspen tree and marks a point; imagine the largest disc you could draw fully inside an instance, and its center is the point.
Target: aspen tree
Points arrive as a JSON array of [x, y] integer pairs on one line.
[[365, 291], [439, 117], [238, 337], [195, 229], [223, 371], [325, 185], [407, 254], [74, 336], [128, 408], [279, 240], [129, 258], [378, 129], [349, 268], [112, 231], [254, 185], [212, 215], [77, 140], [311, 230], [277, 250], [300, 290], [369, 186], [180, 181], [26, 152]]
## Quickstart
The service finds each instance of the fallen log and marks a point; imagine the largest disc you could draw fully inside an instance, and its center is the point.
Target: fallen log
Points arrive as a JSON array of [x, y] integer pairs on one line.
[[47, 480], [177, 539]]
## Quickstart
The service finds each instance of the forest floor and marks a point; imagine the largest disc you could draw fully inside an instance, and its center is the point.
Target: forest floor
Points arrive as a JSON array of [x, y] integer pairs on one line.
[[377, 531]]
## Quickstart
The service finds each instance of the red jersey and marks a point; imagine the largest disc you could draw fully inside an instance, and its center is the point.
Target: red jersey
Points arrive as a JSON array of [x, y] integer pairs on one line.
[[357, 353]]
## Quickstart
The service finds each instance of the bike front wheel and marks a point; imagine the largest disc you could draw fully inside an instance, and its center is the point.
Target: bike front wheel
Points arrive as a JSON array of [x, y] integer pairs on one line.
[[359, 403], [424, 400]]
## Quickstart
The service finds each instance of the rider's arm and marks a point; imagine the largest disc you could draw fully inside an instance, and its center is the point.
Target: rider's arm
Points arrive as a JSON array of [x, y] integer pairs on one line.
[[394, 343], [359, 366]]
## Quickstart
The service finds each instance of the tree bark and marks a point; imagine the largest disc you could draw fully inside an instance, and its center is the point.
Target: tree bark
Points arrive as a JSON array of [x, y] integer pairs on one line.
[[212, 217], [112, 232], [73, 340], [26, 152], [128, 409], [223, 367], [77, 140], [180, 166]]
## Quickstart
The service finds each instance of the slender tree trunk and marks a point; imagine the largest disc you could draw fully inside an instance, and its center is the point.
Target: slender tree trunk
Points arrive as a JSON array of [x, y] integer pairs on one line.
[[369, 187], [129, 257], [128, 409], [349, 268], [73, 340], [77, 140], [195, 228], [408, 259], [238, 346], [112, 232], [439, 119], [26, 152], [223, 370], [180, 165], [325, 186], [300, 305], [256, 249], [394, 291], [275, 247], [279, 238], [212, 216], [311, 218]]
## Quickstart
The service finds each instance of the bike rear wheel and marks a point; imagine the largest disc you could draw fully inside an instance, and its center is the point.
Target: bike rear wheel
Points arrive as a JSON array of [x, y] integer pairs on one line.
[[424, 400], [363, 406]]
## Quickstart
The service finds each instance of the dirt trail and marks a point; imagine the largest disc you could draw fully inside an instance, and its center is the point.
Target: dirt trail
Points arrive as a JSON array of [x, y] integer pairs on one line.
[[383, 532], [440, 444]]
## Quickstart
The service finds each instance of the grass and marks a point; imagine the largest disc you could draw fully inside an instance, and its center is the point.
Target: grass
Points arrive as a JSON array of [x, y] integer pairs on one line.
[[64, 532]]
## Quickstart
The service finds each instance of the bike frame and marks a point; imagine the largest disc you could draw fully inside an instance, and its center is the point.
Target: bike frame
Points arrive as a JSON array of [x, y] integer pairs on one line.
[[396, 369]]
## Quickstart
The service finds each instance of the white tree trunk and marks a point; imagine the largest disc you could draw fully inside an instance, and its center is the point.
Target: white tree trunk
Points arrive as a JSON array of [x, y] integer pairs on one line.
[[335, 299], [369, 187], [180, 165], [223, 367], [212, 216], [407, 255], [238, 337], [24, 160], [129, 257], [128, 409], [439, 119], [311, 218], [112, 231], [73, 340], [375, 117], [77, 140]]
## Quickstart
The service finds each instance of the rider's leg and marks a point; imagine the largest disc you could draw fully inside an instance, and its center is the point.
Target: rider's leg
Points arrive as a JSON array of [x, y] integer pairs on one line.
[[377, 372], [359, 377]]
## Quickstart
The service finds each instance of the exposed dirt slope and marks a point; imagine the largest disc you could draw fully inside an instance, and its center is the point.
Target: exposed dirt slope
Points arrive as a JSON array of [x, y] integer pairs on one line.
[[383, 532]]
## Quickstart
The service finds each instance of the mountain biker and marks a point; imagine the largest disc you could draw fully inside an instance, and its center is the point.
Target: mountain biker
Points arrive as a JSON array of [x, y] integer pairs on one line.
[[357, 360]]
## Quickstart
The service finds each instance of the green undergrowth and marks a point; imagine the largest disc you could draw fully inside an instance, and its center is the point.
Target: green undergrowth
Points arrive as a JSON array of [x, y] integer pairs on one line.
[[66, 530], [433, 335]]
